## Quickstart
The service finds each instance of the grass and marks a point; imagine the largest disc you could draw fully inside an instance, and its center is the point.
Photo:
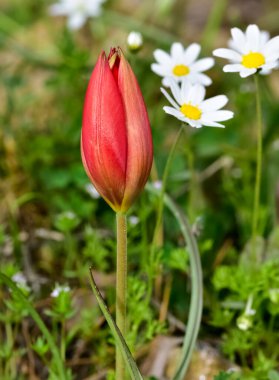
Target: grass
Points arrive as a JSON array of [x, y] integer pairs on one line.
[[52, 231]]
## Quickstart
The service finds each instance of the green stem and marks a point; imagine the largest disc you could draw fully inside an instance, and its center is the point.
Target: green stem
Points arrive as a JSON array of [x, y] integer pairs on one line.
[[121, 288], [214, 21], [192, 181], [161, 200], [63, 341], [255, 218]]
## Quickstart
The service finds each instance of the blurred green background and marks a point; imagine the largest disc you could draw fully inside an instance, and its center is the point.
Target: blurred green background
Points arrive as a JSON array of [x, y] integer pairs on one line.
[[51, 229]]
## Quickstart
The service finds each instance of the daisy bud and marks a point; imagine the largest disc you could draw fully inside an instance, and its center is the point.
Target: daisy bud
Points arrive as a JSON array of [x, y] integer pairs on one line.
[[116, 141], [134, 41]]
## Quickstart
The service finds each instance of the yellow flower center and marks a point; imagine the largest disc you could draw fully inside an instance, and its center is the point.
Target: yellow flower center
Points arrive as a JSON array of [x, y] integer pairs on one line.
[[253, 60], [190, 111], [180, 70]]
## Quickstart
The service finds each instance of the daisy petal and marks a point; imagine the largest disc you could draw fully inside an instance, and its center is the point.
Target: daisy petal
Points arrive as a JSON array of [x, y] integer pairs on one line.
[[238, 40], [266, 69], [162, 57], [270, 66], [212, 124], [176, 91], [214, 104], [160, 70], [202, 64], [271, 46], [185, 91], [252, 38], [228, 54], [201, 79], [233, 68], [177, 50], [272, 57], [189, 93], [197, 94], [194, 123], [217, 115], [191, 53], [264, 37], [167, 80], [173, 112], [170, 99], [244, 73]]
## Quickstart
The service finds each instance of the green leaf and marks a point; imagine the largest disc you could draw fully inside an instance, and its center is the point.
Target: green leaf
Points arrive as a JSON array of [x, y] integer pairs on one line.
[[129, 360], [195, 312], [53, 348]]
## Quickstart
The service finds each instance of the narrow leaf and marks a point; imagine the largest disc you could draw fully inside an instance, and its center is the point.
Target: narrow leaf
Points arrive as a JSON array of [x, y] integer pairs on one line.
[[129, 360], [195, 312]]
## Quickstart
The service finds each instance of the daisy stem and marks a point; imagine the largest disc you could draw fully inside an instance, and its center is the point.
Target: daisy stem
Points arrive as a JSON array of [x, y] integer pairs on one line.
[[166, 174], [121, 289], [255, 218], [158, 225], [192, 181]]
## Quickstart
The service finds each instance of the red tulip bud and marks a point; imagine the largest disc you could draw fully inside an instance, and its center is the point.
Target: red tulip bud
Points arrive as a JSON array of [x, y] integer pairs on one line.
[[116, 141]]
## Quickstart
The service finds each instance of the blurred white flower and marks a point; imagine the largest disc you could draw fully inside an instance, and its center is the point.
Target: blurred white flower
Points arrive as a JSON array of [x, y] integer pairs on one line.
[[182, 64], [21, 281], [91, 190], [69, 215], [190, 107], [244, 322], [157, 184], [77, 11], [134, 41], [59, 289], [133, 220], [250, 51]]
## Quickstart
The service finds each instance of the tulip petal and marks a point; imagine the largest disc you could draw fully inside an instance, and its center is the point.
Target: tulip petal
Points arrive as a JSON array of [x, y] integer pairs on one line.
[[104, 139], [139, 139]]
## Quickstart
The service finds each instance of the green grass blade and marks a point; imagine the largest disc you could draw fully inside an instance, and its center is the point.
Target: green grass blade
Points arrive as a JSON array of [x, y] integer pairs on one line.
[[195, 312], [129, 360], [196, 302], [36, 317]]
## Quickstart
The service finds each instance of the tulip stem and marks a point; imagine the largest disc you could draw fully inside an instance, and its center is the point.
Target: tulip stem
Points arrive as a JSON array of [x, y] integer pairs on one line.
[[121, 288]]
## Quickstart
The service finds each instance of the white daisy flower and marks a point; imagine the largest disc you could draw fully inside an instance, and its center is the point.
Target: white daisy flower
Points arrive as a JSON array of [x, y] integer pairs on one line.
[[250, 51], [190, 107], [182, 64], [77, 11]]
